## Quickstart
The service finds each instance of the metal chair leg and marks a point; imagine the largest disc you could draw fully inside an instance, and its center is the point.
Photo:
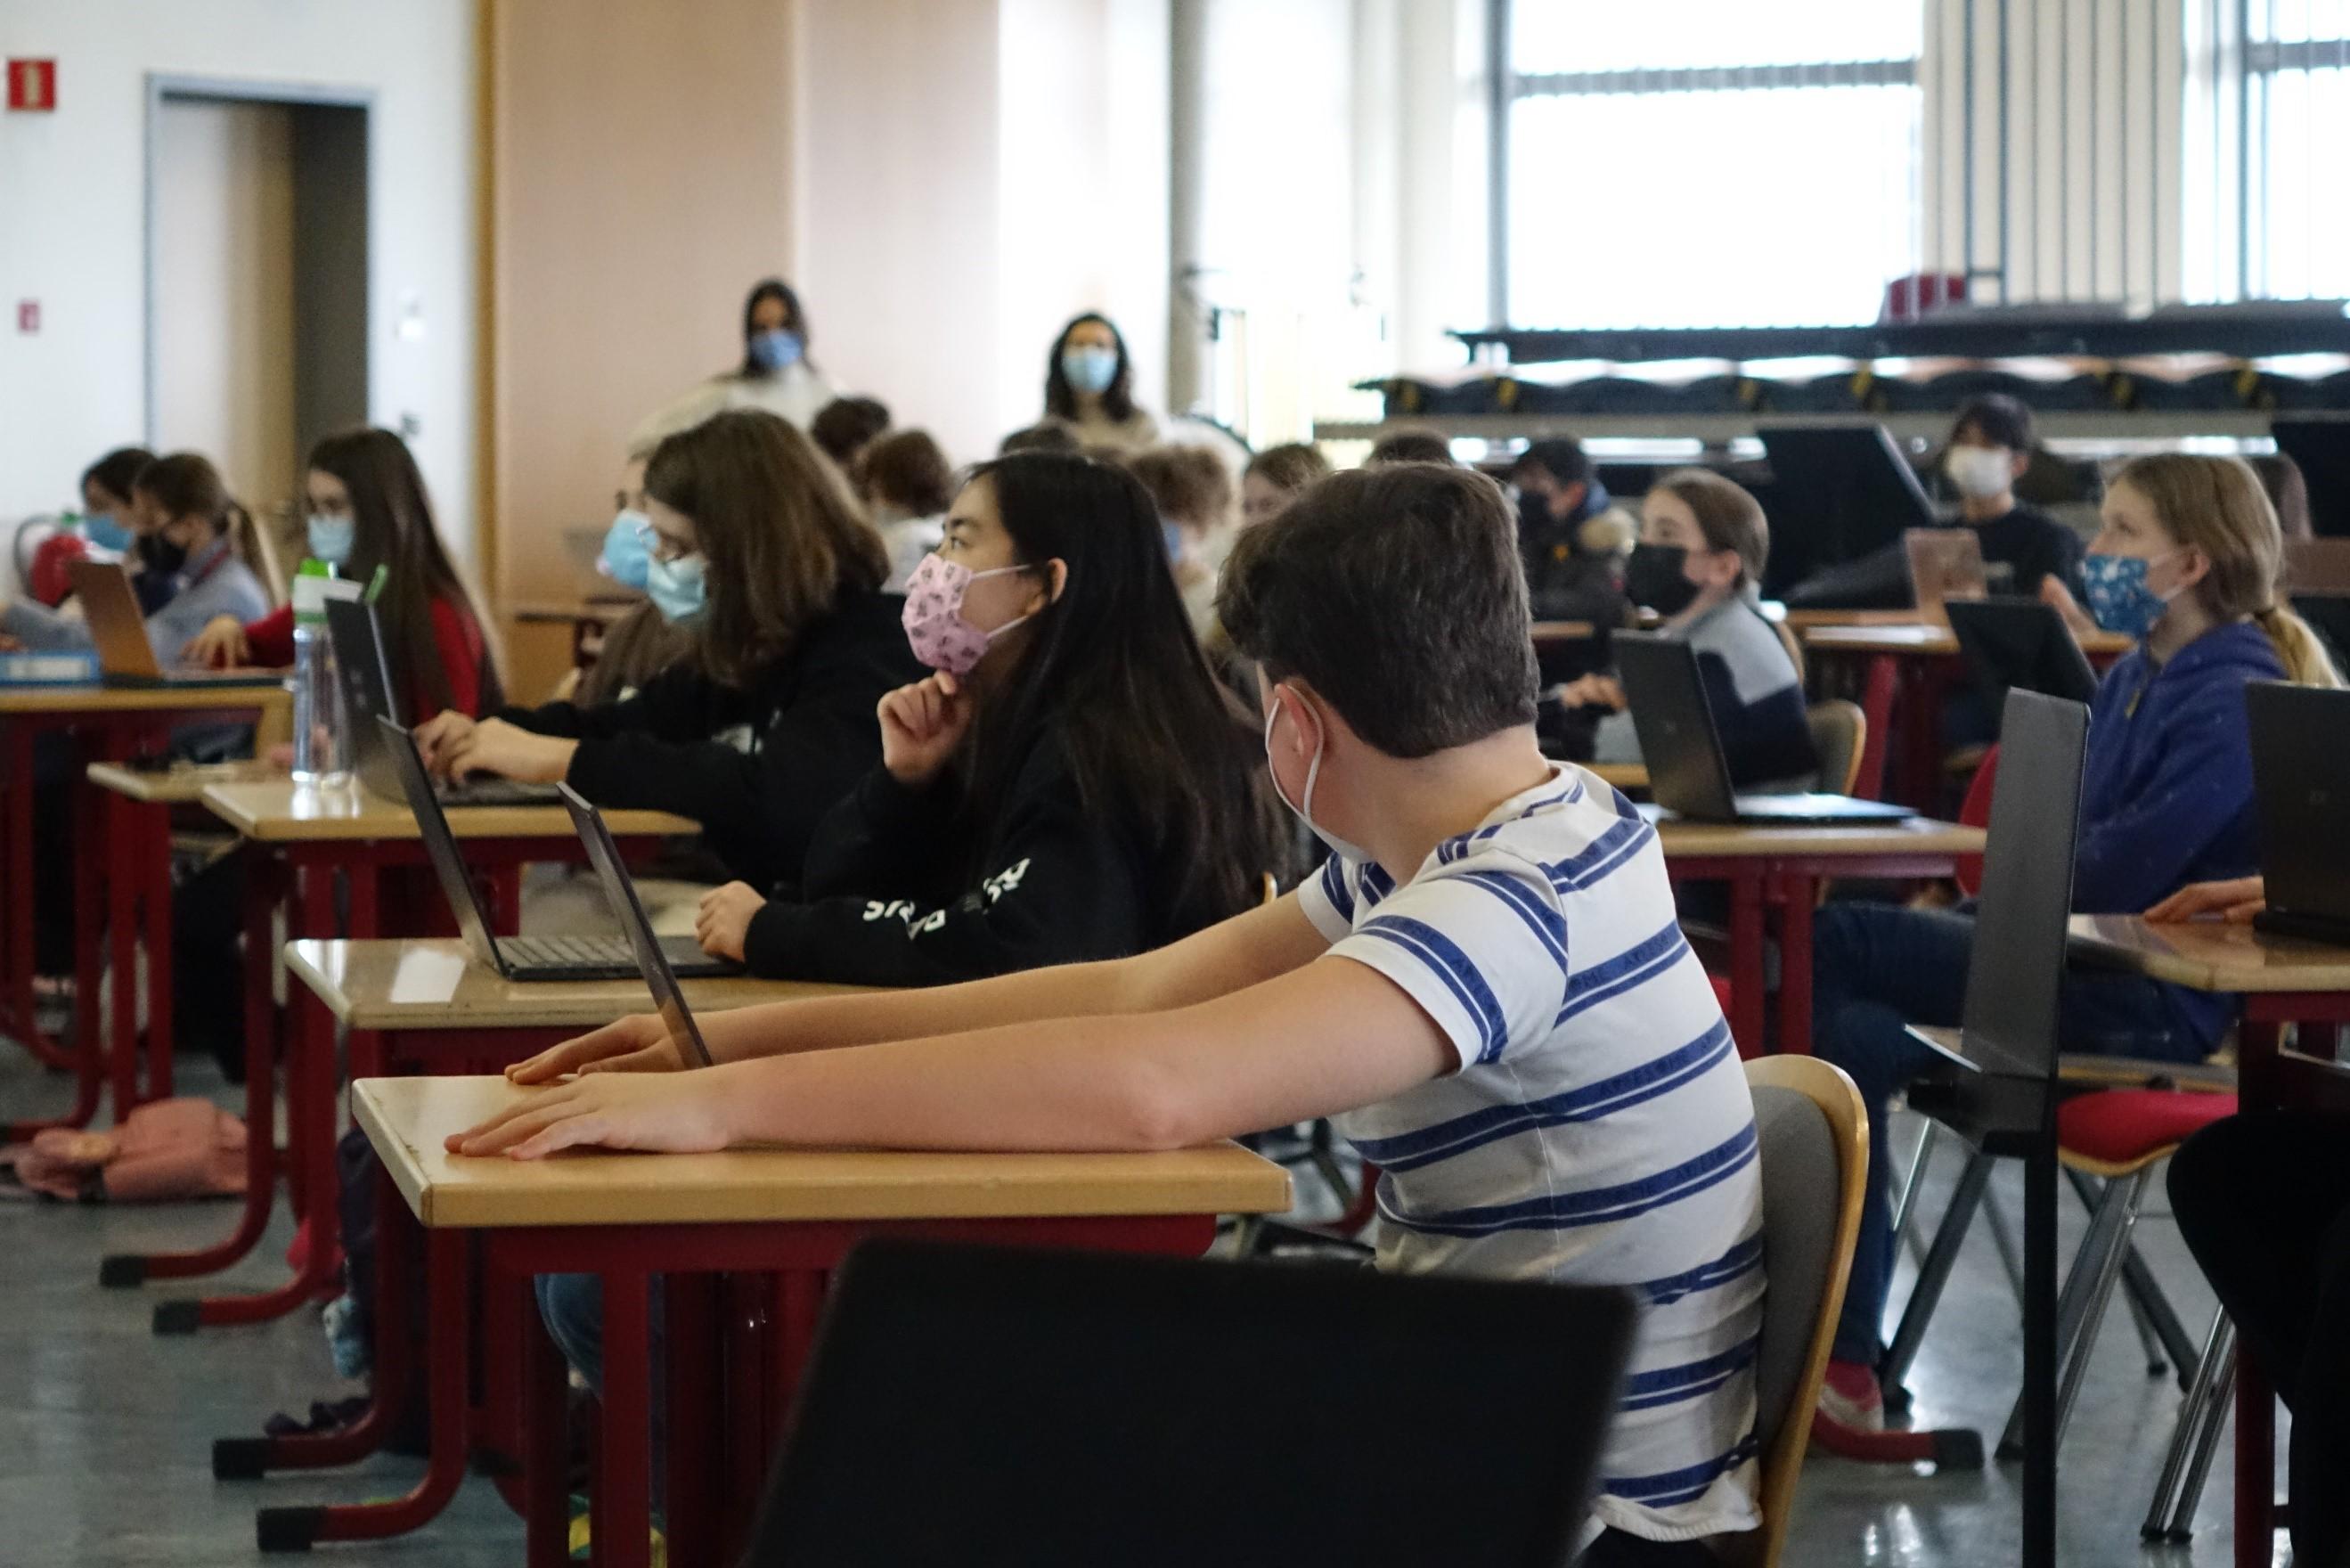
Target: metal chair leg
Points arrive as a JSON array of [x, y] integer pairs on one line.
[[2222, 1361], [2088, 1292], [1935, 1273], [2160, 1333], [1904, 1206], [2185, 1434]]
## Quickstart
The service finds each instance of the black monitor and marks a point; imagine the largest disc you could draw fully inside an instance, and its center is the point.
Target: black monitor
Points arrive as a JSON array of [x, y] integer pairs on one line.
[[1838, 492], [2321, 449]]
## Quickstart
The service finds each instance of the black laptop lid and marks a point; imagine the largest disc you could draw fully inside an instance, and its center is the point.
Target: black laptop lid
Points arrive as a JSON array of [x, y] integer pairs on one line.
[[620, 892], [1688, 774], [2011, 643], [440, 844], [363, 670], [1839, 492], [982, 1405], [2301, 777], [2018, 964]]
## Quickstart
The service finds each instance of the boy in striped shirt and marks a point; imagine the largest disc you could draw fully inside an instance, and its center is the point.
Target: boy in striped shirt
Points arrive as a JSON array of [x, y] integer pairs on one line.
[[1486, 984]]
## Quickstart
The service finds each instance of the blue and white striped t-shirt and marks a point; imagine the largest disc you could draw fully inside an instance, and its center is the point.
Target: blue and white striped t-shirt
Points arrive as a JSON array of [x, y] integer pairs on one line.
[[1599, 1130]]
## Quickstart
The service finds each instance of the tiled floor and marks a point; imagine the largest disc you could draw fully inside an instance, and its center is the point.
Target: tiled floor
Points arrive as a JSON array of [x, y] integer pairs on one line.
[[106, 1431]]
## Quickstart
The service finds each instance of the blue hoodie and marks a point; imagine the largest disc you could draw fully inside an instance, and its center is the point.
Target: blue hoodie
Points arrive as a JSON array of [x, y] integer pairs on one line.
[[2167, 798]]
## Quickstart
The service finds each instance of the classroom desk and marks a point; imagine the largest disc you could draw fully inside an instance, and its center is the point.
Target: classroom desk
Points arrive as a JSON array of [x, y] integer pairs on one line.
[[791, 1213], [1632, 778], [299, 836], [108, 724], [2283, 981], [1909, 666], [1779, 870], [588, 617], [1554, 633]]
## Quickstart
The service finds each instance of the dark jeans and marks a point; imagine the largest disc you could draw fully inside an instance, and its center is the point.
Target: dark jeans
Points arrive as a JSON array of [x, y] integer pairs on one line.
[[1877, 969], [2264, 1202]]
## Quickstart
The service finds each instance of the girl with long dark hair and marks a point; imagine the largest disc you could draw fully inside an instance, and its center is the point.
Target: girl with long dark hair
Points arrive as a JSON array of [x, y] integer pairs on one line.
[[776, 373], [1070, 783], [1089, 386]]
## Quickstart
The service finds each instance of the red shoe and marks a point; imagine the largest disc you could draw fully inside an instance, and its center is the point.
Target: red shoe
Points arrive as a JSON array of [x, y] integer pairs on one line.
[[1850, 1398]]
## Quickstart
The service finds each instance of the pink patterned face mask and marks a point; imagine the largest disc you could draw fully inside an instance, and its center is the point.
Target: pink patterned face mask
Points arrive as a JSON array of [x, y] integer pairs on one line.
[[933, 618]]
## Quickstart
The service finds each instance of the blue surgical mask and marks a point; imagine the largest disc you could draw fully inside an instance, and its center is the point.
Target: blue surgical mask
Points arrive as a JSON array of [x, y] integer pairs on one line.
[[678, 588], [1090, 368], [772, 350], [626, 556], [101, 530], [330, 538], [2119, 597]]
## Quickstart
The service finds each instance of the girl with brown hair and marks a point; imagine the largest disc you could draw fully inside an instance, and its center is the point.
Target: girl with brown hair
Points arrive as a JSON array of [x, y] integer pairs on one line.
[[758, 547]]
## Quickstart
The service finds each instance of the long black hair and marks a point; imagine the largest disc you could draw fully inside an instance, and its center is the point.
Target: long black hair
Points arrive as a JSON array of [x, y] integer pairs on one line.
[[1061, 399], [1111, 669], [391, 519], [794, 320]]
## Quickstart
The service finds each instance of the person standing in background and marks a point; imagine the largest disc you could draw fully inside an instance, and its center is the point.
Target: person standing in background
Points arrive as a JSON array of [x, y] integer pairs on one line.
[[775, 374], [907, 485], [1090, 387]]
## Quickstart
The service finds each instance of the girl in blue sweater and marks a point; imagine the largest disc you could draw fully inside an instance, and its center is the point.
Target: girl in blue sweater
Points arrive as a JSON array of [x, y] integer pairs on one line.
[[2186, 562]]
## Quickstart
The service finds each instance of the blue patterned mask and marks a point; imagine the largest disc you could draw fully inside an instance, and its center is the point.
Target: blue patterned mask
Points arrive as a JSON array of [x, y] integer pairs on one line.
[[2119, 597]]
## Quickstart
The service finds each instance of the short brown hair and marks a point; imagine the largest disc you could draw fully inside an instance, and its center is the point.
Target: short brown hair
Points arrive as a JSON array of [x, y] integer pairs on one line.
[[1410, 446], [909, 471], [776, 522], [1189, 484], [1290, 468], [1729, 517], [846, 426], [1397, 594]]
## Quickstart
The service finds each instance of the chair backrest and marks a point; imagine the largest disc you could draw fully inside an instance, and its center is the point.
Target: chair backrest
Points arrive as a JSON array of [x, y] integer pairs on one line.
[[1839, 736], [1794, 647], [2018, 961], [1812, 1131]]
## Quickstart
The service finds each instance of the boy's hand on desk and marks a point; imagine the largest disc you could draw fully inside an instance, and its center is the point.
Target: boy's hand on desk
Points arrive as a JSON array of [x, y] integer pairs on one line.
[[1593, 691], [494, 746], [683, 1113], [439, 736], [921, 725], [2235, 901], [723, 921], [637, 1043]]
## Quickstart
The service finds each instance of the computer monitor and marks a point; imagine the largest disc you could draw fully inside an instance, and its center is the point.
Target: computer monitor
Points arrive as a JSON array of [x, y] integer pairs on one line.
[[1838, 492]]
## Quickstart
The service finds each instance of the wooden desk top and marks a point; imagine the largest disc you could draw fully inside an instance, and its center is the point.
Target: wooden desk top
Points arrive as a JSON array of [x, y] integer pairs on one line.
[[1913, 636], [1807, 620], [1554, 631], [551, 612], [1622, 775], [180, 783], [406, 1119], [437, 984], [95, 699], [1917, 835], [2208, 955], [282, 812]]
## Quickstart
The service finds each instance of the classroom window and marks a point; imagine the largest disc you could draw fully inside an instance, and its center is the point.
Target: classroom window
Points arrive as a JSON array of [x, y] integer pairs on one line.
[[2296, 56], [1708, 162]]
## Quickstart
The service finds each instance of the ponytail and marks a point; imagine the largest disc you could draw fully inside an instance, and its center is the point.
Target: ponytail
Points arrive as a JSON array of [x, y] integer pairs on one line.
[[2298, 647]]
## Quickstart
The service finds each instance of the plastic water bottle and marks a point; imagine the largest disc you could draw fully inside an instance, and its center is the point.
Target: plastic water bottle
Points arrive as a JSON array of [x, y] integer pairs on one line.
[[321, 729]]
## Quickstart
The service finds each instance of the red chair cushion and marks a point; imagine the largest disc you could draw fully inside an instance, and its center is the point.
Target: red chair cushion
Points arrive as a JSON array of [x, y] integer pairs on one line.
[[1721, 990], [2121, 1126]]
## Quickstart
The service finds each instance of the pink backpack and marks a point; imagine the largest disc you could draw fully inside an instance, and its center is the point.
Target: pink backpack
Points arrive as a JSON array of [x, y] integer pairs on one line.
[[166, 1151]]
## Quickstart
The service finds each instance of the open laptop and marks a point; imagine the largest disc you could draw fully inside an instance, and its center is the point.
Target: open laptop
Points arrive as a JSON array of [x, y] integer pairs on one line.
[[1945, 563], [2020, 644], [118, 632], [363, 669], [658, 958], [1689, 774], [611, 956], [2301, 777], [1093, 1408]]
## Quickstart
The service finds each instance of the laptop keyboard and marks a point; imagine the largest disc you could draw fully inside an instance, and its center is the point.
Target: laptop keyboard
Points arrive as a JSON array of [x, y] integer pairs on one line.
[[565, 952]]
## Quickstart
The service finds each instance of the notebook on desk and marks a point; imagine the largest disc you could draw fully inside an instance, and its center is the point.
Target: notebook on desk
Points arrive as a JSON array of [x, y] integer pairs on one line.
[[603, 957], [2301, 777], [1688, 773], [118, 632]]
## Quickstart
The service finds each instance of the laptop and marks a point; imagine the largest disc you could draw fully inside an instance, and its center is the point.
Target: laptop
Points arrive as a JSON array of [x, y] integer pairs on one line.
[[2020, 645], [1086, 1406], [118, 632], [659, 960], [1689, 774], [363, 669], [612, 957], [1945, 563], [2300, 778]]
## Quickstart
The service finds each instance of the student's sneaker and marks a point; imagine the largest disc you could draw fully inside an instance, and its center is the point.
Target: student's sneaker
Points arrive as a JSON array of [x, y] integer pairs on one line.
[[1851, 1398]]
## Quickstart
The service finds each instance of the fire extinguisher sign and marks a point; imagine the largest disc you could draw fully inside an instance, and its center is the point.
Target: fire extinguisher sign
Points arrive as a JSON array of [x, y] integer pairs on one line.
[[33, 85]]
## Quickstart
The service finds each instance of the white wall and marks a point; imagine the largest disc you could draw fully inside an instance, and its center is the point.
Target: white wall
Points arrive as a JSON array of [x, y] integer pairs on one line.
[[73, 231]]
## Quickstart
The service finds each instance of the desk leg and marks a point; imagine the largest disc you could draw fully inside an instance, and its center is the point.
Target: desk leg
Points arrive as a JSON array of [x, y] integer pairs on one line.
[[1877, 711], [265, 885], [154, 824], [18, 1008], [695, 1379], [2257, 1090], [1746, 939], [120, 894], [2040, 1353], [546, 1442], [621, 1503], [297, 1529], [90, 1061], [1798, 894]]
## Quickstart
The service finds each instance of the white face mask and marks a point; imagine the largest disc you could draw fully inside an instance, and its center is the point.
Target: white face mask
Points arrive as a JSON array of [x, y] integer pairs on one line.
[[1305, 810], [1979, 471]]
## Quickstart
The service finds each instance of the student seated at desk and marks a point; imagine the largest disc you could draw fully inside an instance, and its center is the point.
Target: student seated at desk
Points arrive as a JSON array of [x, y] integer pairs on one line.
[[1990, 446], [106, 527], [1704, 543], [907, 485], [1193, 492], [1071, 785], [641, 642], [757, 545], [1486, 982], [1277, 476], [2186, 563]]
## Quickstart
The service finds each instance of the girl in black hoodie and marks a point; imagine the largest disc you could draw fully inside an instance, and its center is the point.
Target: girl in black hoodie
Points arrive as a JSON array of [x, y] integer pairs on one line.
[[1070, 783], [757, 546]]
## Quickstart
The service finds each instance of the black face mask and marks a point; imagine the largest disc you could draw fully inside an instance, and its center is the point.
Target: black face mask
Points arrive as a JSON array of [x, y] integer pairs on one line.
[[161, 554], [1654, 579], [1533, 511]]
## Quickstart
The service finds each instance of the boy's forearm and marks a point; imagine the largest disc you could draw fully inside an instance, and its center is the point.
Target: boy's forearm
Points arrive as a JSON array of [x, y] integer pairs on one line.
[[824, 1024]]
